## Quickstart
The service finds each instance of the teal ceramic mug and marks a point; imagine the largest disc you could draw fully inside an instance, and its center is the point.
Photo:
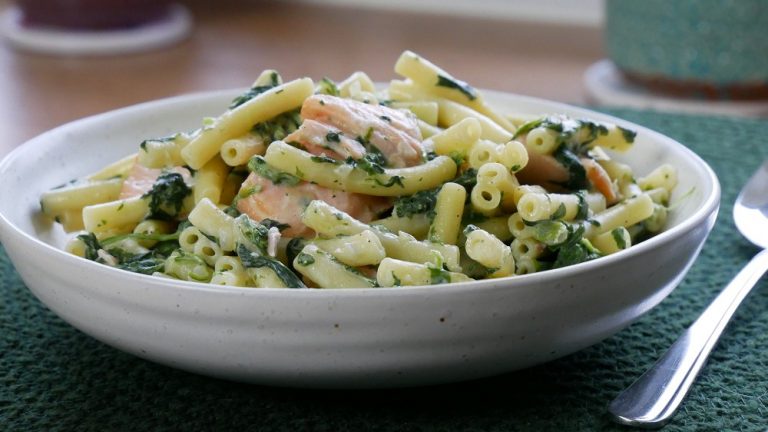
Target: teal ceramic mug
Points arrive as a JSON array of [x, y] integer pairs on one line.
[[715, 49]]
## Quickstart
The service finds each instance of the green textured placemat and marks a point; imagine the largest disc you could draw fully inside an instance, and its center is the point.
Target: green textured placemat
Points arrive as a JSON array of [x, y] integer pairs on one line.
[[52, 377]]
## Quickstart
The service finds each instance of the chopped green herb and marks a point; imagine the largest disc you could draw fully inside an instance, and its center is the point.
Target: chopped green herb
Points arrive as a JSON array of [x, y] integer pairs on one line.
[[583, 210], [576, 134], [394, 180], [259, 165], [469, 228], [424, 201], [370, 163], [323, 159], [439, 275], [277, 128], [253, 232], [575, 249], [559, 212], [458, 157], [365, 139], [270, 223], [304, 259], [461, 86], [628, 134], [551, 232], [333, 137], [250, 94], [328, 87], [145, 264], [92, 245], [618, 237], [140, 236], [144, 143], [293, 248], [527, 127]]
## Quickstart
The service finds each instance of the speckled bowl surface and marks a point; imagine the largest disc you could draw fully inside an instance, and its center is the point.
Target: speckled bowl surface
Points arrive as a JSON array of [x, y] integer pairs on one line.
[[380, 337]]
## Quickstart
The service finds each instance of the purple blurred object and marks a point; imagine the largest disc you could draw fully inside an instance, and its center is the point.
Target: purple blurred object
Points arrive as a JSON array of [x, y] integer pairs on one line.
[[92, 14]]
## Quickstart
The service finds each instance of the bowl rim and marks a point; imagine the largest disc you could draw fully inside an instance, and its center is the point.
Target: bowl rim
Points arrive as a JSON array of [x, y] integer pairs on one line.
[[709, 205]]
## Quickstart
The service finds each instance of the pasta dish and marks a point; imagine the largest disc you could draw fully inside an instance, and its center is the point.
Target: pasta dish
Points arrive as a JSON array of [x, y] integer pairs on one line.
[[305, 184]]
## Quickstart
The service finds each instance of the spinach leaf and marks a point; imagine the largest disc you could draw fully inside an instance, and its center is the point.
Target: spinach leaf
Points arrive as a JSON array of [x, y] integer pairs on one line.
[[255, 91], [166, 197], [574, 250], [618, 237], [439, 276], [259, 165], [461, 86], [252, 259], [424, 201], [577, 175], [328, 87], [254, 233], [92, 245]]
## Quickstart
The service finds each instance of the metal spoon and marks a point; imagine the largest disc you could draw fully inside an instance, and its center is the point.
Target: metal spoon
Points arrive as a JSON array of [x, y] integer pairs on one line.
[[652, 400]]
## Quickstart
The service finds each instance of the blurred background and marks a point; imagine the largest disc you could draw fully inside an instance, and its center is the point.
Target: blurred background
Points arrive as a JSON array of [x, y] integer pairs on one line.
[[65, 59]]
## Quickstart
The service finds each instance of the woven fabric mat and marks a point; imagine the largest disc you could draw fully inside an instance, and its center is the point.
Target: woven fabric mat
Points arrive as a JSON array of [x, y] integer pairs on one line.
[[52, 377]]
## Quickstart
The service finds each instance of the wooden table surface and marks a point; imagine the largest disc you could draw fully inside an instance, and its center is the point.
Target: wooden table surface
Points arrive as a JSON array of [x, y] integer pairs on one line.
[[233, 41]]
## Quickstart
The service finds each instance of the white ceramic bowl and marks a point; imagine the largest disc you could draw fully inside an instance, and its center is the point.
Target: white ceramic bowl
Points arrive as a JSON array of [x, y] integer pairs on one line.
[[379, 337]]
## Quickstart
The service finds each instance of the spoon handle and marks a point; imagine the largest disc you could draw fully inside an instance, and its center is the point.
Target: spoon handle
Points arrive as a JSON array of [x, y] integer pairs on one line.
[[652, 400]]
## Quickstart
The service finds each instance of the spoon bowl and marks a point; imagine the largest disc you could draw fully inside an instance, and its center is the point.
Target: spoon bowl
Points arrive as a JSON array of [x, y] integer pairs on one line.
[[750, 213]]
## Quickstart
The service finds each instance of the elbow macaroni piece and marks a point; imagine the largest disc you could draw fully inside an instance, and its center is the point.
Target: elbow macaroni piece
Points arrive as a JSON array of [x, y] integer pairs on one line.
[[327, 272], [612, 241], [79, 195], [512, 155], [624, 214], [491, 252], [214, 222], [457, 139], [356, 250], [393, 272], [664, 177], [162, 153], [539, 206], [425, 111], [416, 225], [448, 212], [430, 77], [542, 140], [209, 180], [115, 216], [237, 151], [481, 153]]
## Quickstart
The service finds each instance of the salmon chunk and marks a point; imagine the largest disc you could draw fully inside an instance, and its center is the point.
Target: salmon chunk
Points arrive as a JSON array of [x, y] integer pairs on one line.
[[286, 203], [393, 132], [322, 139]]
